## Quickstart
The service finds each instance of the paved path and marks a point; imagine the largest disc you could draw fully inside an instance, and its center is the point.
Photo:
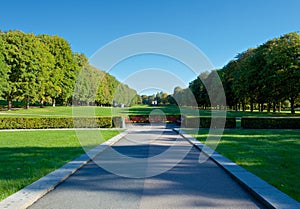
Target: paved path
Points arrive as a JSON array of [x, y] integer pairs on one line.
[[187, 185]]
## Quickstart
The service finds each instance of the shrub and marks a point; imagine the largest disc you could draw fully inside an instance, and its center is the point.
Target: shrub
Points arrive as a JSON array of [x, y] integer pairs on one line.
[[158, 118], [205, 122], [271, 122], [67, 122]]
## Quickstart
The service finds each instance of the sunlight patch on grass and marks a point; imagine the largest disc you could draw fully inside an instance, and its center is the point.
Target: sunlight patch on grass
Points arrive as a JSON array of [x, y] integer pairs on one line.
[[27, 156]]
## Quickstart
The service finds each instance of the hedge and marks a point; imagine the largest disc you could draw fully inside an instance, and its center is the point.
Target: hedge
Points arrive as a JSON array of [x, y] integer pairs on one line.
[[270, 122], [67, 122], [205, 122], [153, 118]]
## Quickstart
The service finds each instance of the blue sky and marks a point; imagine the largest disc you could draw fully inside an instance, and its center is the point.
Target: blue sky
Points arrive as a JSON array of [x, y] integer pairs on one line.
[[220, 28]]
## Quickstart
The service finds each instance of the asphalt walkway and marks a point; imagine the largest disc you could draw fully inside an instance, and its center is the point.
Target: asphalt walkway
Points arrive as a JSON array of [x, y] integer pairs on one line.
[[149, 168]]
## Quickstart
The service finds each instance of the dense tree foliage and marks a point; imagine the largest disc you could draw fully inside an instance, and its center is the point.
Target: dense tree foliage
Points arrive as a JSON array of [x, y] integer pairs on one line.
[[4, 70], [263, 77], [44, 69]]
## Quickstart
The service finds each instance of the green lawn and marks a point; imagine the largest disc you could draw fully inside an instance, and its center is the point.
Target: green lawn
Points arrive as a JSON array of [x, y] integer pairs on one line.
[[273, 155], [27, 156], [60, 111]]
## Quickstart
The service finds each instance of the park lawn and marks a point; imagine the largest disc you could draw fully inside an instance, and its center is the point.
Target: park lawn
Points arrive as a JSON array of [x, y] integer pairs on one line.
[[273, 155], [60, 111], [63, 111], [27, 156]]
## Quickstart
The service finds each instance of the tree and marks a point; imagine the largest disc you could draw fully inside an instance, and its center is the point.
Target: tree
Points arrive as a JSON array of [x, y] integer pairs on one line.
[[283, 59], [86, 85], [29, 62], [64, 73], [4, 70], [178, 96], [199, 90], [227, 74]]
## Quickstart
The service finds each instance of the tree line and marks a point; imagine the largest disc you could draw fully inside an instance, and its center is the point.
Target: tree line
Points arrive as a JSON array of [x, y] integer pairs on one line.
[[260, 78], [43, 69]]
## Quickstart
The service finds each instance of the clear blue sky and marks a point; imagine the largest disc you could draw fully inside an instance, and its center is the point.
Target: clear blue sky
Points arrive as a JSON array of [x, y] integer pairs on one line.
[[220, 28]]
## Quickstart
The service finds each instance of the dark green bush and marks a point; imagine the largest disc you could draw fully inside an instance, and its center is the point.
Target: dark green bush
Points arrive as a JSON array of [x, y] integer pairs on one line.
[[205, 122], [44, 123], [271, 122]]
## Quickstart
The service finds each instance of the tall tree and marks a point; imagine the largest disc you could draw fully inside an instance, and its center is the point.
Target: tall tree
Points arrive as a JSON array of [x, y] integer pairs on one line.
[[199, 90], [29, 62], [284, 61], [4, 70], [64, 73]]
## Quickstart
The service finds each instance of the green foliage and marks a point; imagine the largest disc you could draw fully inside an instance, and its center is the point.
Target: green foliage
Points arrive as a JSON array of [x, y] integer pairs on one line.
[[264, 76], [29, 63], [50, 122], [205, 122], [4, 70], [43, 68], [270, 122]]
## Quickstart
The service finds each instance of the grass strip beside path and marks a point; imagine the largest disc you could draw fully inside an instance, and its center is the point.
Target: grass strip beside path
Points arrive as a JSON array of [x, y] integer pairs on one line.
[[27, 156], [273, 155]]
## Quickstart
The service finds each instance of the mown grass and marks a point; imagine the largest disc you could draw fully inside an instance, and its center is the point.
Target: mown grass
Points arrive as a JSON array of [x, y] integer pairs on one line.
[[62, 111], [27, 156], [58, 111], [273, 155]]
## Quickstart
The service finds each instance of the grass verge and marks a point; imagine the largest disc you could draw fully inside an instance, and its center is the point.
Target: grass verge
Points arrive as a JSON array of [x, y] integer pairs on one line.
[[27, 156], [273, 155]]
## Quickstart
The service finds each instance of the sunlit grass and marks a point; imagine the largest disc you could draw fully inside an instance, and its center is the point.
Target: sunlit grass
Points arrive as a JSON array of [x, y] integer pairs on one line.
[[273, 155], [62, 111], [28, 155]]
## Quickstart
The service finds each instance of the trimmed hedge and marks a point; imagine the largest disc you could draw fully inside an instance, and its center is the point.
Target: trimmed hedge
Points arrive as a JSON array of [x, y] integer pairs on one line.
[[205, 122], [158, 118], [270, 122], [67, 122]]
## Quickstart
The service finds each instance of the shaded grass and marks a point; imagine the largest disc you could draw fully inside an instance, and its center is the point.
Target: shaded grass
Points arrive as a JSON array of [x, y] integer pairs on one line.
[[273, 155], [27, 156]]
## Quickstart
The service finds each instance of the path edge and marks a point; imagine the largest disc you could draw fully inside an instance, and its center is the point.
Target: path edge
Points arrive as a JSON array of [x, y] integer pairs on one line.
[[267, 194], [31, 193]]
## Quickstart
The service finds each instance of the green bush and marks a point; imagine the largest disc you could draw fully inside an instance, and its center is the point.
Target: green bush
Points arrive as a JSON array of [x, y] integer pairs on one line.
[[271, 122], [205, 122], [67, 122]]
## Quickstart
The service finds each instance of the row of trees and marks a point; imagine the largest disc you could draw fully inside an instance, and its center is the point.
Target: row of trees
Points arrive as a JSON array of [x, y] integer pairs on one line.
[[263, 77], [43, 68]]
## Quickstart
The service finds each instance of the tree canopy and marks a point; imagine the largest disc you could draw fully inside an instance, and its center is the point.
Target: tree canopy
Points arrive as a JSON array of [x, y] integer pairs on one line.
[[43, 69], [263, 77]]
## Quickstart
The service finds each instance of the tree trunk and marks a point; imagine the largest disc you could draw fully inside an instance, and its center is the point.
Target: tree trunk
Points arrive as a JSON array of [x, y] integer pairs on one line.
[[269, 107], [9, 101], [41, 103], [292, 101], [261, 107], [27, 102], [53, 102], [274, 106], [251, 106], [279, 108]]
